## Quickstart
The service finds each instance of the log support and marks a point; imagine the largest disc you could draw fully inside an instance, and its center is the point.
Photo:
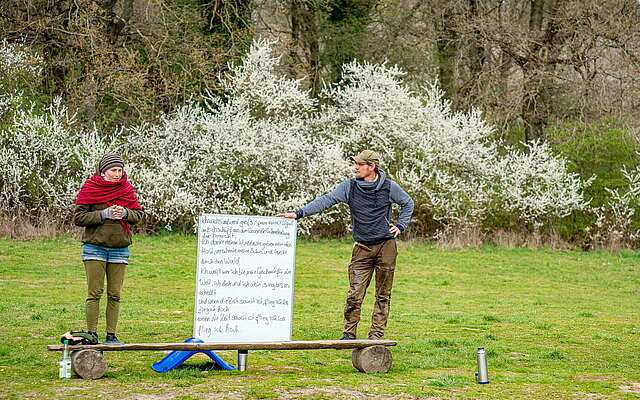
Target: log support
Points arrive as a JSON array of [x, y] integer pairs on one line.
[[88, 364], [372, 359]]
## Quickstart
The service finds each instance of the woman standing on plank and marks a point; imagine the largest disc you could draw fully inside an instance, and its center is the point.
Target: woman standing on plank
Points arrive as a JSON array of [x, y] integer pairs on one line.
[[106, 207]]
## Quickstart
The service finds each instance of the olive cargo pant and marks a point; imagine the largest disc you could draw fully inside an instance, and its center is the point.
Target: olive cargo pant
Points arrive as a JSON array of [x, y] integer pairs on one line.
[[365, 261], [96, 271]]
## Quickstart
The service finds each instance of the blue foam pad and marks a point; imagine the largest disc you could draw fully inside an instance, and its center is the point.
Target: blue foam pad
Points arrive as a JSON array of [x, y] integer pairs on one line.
[[176, 358]]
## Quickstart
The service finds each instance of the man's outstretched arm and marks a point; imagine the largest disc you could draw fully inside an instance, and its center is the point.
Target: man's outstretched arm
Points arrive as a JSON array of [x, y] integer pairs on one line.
[[339, 194]]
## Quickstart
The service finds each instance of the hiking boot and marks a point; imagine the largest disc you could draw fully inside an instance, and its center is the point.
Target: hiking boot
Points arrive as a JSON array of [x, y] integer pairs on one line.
[[111, 339], [94, 337], [347, 336]]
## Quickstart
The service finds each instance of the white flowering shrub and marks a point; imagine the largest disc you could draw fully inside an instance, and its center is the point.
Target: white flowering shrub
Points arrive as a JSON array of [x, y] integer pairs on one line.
[[448, 161], [15, 58], [43, 161], [255, 87], [457, 162], [614, 227], [255, 153], [442, 158], [534, 185], [17, 63], [369, 108], [268, 147]]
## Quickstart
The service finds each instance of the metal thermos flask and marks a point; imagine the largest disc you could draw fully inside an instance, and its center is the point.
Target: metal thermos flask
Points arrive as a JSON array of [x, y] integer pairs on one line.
[[482, 376], [242, 360]]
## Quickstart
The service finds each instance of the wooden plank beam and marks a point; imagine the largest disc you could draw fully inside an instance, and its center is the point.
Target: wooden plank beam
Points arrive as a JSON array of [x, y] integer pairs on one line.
[[291, 345]]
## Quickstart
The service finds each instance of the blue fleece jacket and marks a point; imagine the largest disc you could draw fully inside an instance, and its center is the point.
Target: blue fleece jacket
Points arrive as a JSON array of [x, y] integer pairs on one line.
[[341, 193]]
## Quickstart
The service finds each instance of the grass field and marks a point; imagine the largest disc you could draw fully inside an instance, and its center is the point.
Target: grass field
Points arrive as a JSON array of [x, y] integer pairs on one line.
[[556, 324]]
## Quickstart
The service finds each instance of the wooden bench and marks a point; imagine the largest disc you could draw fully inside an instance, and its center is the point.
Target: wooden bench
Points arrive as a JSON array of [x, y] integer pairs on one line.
[[368, 355]]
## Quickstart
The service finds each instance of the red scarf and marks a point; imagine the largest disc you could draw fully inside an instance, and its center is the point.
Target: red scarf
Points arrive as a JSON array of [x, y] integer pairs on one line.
[[96, 190]]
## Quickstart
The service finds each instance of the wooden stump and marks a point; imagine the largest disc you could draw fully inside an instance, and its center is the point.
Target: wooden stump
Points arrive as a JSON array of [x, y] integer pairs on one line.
[[88, 364], [372, 359]]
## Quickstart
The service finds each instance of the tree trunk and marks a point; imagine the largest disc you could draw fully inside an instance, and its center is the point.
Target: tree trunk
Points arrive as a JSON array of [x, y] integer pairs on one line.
[[536, 15], [475, 54], [538, 69], [447, 45], [305, 48], [531, 108]]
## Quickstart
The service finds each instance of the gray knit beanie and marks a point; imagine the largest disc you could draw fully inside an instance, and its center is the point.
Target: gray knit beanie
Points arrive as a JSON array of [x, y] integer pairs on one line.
[[110, 160]]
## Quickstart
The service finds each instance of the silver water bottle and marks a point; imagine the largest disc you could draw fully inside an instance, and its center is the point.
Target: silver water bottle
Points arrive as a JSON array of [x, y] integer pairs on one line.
[[482, 376]]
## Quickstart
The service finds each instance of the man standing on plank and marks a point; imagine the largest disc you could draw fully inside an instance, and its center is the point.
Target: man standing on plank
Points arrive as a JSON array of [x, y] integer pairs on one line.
[[369, 196]]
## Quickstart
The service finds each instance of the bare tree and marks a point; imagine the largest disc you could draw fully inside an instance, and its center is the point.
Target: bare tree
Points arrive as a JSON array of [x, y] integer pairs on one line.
[[564, 53], [119, 62], [526, 63]]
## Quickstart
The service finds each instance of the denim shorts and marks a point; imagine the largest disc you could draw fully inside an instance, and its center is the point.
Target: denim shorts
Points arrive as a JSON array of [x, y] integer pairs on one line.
[[115, 255]]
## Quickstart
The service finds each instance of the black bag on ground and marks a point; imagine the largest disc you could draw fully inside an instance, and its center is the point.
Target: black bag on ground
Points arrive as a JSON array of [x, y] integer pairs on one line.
[[79, 337]]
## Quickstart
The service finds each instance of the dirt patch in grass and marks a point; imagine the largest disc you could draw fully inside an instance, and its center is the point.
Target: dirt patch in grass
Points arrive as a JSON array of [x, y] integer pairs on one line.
[[163, 396], [594, 378], [339, 393], [146, 391], [630, 388], [283, 368], [588, 396], [173, 395]]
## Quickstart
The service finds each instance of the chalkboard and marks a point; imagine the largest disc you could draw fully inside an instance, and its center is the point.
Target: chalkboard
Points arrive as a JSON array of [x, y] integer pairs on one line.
[[244, 279]]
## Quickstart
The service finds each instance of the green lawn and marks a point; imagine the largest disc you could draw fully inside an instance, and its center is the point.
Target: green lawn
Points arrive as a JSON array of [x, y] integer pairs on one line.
[[556, 324]]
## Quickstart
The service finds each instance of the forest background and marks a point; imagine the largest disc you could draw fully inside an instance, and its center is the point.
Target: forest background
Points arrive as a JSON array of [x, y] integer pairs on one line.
[[552, 158]]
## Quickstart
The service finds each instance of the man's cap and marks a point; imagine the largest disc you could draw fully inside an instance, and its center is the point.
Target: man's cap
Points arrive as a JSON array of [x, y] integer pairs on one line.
[[109, 161], [366, 157]]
